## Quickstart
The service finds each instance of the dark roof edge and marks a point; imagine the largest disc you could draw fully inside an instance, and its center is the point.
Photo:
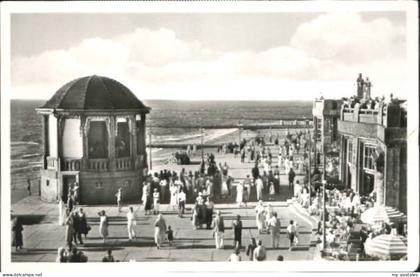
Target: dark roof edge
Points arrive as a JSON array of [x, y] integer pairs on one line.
[[52, 110]]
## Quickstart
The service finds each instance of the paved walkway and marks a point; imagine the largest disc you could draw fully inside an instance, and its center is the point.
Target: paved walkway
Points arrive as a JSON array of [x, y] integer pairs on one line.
[[43, 235]]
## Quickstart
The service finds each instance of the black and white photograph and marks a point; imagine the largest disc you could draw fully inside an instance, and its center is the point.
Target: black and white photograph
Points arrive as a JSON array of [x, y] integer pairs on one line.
[[149, 135]]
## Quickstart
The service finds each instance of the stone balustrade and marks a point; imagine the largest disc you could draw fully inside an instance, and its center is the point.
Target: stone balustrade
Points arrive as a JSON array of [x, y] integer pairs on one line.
[[123, 163], [52, 163], [72, 164]]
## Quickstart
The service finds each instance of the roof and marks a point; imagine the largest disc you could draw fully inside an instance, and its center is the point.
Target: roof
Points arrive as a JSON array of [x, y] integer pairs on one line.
[[94, 93]]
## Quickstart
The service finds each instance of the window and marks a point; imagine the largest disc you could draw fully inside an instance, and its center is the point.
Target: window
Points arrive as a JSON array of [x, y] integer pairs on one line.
[[349, 151], [99, 185], [368, 160], [47, 182]]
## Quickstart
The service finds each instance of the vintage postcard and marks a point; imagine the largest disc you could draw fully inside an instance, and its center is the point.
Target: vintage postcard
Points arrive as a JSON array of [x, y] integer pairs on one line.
[[209, 137]]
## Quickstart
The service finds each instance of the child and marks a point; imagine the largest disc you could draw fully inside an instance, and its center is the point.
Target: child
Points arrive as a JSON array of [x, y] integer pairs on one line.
[[156, 197], [170, 235]]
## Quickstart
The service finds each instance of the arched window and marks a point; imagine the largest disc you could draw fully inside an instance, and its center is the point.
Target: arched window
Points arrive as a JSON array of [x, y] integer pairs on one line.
[[122, 140]]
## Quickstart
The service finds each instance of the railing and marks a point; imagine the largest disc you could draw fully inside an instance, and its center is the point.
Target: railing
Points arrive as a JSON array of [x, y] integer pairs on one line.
[[52, 163], [72, 164], [123, 163], [362, 115], [98, 164]]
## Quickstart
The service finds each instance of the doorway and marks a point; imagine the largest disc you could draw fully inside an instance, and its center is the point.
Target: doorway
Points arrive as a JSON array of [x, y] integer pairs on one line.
[[368, 183], [68, 181]]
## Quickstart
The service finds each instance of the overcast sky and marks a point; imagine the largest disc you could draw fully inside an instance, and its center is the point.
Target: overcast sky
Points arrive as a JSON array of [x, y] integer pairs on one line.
[[279, 56]]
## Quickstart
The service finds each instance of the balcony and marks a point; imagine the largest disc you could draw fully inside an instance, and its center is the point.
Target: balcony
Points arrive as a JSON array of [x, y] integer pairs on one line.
[[98, 164], [72, 164], [123, 163], [369, 116]]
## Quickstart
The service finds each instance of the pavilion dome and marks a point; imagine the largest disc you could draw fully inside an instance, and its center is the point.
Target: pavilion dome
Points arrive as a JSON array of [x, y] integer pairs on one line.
[[94, 93]]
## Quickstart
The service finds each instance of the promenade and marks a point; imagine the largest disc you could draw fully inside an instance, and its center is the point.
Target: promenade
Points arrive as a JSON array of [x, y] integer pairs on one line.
[[42, 234]]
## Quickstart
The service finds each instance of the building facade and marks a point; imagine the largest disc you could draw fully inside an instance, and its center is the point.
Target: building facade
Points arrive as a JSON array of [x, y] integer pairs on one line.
[[94, 136], [373, 153], [326, 113]]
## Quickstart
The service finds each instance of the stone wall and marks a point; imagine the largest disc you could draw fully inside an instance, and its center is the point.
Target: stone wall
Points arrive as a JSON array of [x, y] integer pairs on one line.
[[49, 185], [100, 188]]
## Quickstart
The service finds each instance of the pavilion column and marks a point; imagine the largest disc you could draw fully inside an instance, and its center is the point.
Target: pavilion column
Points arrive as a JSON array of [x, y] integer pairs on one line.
[[133, 140], [112, 129], [60, 127], [46, 140], [84, 126], [143, 141]]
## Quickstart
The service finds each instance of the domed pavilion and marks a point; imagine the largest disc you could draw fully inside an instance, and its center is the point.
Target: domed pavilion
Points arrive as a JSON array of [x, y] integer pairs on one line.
[[94, 136]]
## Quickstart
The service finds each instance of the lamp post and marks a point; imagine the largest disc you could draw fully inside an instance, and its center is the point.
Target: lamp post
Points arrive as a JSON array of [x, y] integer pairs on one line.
[[310, 166], [150, 147], [202, 142]]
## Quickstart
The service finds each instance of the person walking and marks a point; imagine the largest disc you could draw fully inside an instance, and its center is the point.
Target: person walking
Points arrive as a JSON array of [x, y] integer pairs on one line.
[[163, 184], [170, 235], [69, 227], [274, 225], [268, 216], [160, 230], [250, 249], [77, 234], [219, 230], [131, 223], [29, 186], [70, 201], [291, 232], [237, 231], [17, 228], [118, 195], [260, 218], [103, 225], [147, 199], [209, 211], [84, 227], [182, 197], [291, 178], [61, 212], [174, 195], [240, 194], [260, 253], [260, 187], [156, 201]]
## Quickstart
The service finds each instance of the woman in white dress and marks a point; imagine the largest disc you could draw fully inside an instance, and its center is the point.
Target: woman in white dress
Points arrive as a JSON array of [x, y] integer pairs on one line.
[[103, 225], [239, 193], [260, 218], [160, 231], [144, 194], [61, 212], [225, 190], [174, 196], [268, 215]]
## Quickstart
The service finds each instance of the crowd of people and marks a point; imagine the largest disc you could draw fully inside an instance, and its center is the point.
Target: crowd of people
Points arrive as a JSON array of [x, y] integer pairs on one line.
[[202, 188]]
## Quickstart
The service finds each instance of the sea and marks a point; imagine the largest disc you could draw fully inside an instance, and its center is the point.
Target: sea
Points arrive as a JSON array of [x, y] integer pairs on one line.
[[26, 128]]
